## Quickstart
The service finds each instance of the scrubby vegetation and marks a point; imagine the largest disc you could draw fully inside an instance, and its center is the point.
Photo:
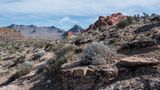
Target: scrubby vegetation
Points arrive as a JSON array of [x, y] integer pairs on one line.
[[89, 59], [63, 53], [124, 23], [96, 53]]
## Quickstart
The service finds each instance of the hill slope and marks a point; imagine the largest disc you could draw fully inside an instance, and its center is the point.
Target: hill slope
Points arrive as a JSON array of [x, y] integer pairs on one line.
[[123, 56]]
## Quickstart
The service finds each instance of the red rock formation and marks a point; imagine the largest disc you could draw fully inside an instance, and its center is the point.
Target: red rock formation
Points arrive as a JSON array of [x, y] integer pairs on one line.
[[107, 20], [9, 34], [69, 34]]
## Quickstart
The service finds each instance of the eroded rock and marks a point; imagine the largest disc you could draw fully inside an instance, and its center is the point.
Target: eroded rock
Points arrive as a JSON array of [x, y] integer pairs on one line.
[[135, 61], [107, 20]]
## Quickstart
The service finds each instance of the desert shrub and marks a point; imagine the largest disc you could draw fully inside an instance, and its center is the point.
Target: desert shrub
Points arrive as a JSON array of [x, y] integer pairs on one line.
[[124, 23], [0, 59], [64, 53], [24, 70], [96, 53], [101, 29]]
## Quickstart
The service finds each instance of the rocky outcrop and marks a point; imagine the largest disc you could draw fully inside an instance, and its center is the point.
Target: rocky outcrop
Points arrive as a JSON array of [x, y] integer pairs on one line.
[[58, 65], [103, 76], [86, 77], [107, 21], [10, 34]]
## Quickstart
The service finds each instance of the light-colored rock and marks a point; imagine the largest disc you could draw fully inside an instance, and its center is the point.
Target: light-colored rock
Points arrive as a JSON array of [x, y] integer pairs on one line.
[[77, 71], [15, 87], [71, 64], [48, 56], [135, 61], [34, 54]]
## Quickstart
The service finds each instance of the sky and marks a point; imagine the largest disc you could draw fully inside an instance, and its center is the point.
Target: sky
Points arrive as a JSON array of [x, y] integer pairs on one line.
[[66, 13]]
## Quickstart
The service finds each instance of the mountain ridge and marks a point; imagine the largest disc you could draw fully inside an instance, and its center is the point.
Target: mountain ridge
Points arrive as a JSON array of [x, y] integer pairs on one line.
[[38, 32], [74, 30]]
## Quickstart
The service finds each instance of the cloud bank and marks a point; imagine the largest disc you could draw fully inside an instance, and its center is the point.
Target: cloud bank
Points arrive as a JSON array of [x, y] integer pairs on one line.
[[64, 13]]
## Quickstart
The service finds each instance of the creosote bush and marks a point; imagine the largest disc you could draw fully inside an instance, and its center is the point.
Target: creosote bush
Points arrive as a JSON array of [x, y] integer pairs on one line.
[[125, 23], [96, 54], [24, 70], [64, 53]]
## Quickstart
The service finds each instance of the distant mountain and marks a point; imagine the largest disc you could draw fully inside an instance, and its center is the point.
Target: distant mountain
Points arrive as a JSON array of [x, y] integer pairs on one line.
[[75, 29], [10, 34], [32, 31]]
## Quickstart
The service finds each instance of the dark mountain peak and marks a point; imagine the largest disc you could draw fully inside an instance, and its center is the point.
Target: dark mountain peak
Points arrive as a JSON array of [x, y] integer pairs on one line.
[[12, 26], [56, 29], [32, 26], [20, 26], [76, 25], [53, 27], [76, 28]]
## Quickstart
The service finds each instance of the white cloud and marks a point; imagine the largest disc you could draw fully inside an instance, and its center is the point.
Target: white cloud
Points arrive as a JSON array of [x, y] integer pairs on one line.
[[65, 13], [64, 22], [68, 19], [75, 7]]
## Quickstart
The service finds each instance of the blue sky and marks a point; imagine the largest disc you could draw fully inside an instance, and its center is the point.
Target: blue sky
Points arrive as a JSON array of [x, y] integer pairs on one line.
[[65, 13]]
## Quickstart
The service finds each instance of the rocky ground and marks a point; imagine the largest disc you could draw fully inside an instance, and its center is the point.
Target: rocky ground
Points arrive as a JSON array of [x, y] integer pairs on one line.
[[106, 57]]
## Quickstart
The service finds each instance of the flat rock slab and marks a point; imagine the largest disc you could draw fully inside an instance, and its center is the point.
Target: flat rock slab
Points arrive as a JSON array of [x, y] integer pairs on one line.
[[81, 71], [135, 61]]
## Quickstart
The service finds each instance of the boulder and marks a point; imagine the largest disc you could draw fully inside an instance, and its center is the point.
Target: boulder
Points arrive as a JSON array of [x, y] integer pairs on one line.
[[138, 44], [135, 61], [34, 54], [107, 72]]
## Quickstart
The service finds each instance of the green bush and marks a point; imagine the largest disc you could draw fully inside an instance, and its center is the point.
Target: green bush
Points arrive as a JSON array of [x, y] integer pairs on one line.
[[95, 54], [63, 54], [122, 24], [25, 69]]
